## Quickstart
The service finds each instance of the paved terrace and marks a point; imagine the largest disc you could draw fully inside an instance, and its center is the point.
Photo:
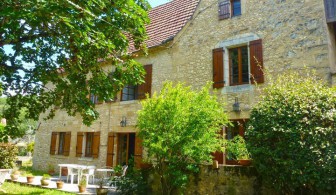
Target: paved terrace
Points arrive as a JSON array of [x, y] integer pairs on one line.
[[67, 187]]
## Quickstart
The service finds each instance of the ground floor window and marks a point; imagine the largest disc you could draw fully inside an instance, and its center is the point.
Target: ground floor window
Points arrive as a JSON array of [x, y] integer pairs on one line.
[[126, 146]]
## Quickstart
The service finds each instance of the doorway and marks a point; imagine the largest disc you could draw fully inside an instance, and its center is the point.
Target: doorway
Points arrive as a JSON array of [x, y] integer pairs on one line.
[[126, 147]]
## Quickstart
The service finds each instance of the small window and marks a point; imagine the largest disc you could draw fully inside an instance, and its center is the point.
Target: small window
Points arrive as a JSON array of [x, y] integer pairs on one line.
[[239, 66], [94, 99], [236, 8], [229, 8], [88, 144], [129, 93]]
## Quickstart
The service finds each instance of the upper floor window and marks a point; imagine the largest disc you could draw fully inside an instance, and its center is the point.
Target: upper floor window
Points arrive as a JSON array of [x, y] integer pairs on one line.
[[239, 66], [244, 65], [229, 8], [236, 7], [131, 92]]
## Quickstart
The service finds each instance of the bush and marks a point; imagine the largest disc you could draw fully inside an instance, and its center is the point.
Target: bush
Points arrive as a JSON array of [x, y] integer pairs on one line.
[[292, 135], [8, 153]]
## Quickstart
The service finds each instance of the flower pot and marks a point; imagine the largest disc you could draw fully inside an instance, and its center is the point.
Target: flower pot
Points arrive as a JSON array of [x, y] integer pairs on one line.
[[245, 162], [102, 191], [14, 177], [51, 172], [30, 179], [45, 182], [81, 189], [59, 184]]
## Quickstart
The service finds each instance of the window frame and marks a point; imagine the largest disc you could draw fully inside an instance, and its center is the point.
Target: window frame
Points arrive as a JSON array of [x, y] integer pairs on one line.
[[240, 66], [228, 7], [88, 151], [127, 94], [61, 143]]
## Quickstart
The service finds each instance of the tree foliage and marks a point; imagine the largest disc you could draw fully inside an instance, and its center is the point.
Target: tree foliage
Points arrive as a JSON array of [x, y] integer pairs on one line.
[[179, 128], [51, 54], [292, 135], [8, 153]]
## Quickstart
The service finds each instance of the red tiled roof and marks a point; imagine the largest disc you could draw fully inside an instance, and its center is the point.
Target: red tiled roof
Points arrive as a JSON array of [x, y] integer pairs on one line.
[[167, 20]]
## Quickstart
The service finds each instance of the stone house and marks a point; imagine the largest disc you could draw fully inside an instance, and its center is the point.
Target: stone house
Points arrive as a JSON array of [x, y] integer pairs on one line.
[[229, 42]]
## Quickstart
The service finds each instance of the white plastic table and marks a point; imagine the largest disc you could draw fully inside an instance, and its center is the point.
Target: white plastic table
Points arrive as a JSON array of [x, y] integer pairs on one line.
[[74, 166]]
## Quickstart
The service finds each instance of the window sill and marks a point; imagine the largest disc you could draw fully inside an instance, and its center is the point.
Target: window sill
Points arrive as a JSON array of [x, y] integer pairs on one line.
[[238, 88], [128, 102], [59, 156], [85, 158]]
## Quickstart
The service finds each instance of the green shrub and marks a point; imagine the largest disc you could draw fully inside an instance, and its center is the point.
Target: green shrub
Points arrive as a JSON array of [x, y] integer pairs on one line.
[[236, 149], [8, 153], [292, 135]]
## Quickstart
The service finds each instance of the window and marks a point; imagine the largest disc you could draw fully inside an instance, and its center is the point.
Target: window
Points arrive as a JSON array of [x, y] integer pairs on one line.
[[229, 8], [88, 144], [244, 64], [95, 99], [60, 143], [239, 66], [236, 7], [131, 92]]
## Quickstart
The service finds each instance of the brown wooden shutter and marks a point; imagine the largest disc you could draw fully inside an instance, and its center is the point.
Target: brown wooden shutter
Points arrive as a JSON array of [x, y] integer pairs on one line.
[[95, 144], [138, 152], [53, 143], [79, 146], [147, 86], [67, 142], [110, 149], [256, 61], [224, 9], [218, 155], [218, 68]]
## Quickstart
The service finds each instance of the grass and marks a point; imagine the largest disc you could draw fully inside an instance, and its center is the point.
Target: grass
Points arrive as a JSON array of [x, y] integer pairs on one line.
[[14, 188]]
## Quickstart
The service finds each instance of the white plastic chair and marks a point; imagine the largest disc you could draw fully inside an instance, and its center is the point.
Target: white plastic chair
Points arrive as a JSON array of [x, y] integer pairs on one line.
[[89, 172], [71, 173], [117, 178]]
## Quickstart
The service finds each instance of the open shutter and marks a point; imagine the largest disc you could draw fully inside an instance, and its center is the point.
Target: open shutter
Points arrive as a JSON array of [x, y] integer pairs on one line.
[[224, 9], [147, 86], [218, 155], [53, 143], [218, 68], [256, 61], [67, 142], [110, 149], [95, 144], [138, 152], [79, 145]]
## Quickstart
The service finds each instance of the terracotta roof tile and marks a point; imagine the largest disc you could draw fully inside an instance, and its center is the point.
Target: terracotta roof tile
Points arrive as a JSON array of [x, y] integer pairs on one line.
[[167, 20]]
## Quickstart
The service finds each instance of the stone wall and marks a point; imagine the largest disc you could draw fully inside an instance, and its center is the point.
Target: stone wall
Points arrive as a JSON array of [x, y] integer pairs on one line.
[[294, 36], [229, 180]]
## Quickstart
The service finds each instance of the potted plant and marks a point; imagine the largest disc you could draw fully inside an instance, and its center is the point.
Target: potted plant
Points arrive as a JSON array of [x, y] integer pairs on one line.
[[30, 178], [59, 184], [118, 170], [82, 185], [51, 169], [15, 174], [45, 180], [236, 149], [101, 190]]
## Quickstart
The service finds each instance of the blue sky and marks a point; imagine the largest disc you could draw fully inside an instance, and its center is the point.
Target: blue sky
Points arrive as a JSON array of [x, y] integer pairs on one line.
[[155, 3]]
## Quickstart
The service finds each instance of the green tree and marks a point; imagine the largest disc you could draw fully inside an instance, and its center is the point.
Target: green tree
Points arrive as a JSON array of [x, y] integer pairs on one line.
[[52, 54], [179, 128], [292, 135]]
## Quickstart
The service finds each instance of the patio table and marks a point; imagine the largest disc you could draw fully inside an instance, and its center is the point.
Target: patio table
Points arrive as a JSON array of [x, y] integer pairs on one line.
[[80, 168]]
